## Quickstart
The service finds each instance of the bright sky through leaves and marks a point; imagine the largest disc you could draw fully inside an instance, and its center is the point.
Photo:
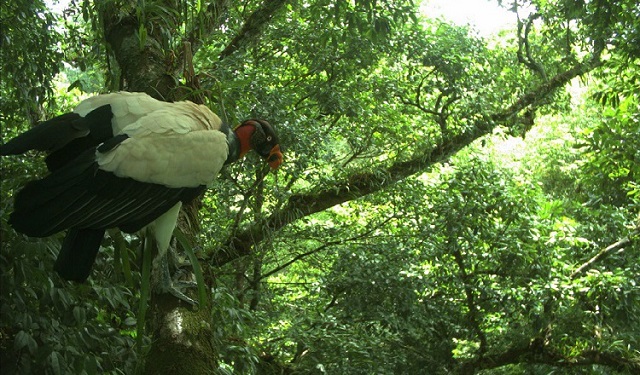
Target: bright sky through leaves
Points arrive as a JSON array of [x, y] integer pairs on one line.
[[485, 15]]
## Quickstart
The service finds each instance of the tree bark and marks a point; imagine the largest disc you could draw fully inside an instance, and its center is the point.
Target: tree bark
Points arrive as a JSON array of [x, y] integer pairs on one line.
[[544, 355], [181, 338], [253, 26], [605, 252], [140, 59]]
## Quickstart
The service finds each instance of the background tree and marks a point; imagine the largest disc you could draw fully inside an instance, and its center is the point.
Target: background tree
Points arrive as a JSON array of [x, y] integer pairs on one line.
[[398, 238]]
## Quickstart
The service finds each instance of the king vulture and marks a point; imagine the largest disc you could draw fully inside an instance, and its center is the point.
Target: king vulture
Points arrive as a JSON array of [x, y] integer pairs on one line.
[[129, 161]]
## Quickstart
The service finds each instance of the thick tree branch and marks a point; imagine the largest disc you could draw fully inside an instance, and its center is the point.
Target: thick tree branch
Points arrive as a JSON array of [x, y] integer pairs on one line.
[[141, 60], [359, 185], [138, 45], [535, 354], [253, 26], [605, 252], [526, 58]]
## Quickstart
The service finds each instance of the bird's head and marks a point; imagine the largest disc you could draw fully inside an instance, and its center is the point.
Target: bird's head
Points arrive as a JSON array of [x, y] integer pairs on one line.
[[260, 136]]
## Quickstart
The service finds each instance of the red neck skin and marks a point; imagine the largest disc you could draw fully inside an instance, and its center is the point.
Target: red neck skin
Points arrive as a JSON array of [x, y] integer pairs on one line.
[[244, 134]]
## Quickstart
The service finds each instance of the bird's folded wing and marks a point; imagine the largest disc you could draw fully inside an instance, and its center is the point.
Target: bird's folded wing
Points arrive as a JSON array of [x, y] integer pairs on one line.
[[128, 181], [83, 196], [167, 148]]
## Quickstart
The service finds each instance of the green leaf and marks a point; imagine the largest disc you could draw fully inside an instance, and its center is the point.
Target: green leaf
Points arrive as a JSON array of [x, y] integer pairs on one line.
[[202, 287], [55, 359], [145, 290], [129, 321], [79, 314], [21, 340], [76, 84]]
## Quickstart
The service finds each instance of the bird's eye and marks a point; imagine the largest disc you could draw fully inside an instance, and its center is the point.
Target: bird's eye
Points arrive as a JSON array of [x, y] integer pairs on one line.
[[269, 138]]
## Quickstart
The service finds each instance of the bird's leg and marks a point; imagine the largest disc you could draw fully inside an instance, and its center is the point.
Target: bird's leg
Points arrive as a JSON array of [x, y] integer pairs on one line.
[[162, 229], [182, 278], [166, 284], [179, 282]]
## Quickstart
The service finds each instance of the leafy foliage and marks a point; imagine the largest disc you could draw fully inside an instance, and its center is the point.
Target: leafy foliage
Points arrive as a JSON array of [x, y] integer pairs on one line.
[[30, 59], [373, 249], [49, 326]]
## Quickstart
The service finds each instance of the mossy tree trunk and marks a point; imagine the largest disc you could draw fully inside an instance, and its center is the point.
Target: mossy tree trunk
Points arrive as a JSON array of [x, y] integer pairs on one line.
[[142, 60]]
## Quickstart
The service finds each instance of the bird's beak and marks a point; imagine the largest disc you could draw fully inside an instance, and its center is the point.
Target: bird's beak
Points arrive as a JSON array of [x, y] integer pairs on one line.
[[275, 157]]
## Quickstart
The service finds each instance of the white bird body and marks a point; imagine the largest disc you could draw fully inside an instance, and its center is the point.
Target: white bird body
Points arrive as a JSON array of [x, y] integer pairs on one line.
[[129, 107], [164, 138], [125, 160]]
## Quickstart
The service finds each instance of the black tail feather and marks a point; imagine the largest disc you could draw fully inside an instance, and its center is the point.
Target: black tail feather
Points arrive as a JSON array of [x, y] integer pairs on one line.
[[78, 253], [46, 136], [56, 135]]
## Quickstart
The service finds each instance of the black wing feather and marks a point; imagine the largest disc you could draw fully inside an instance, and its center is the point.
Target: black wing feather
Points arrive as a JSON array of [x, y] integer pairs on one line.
[[80, 195], [98, 123], [62, 135]]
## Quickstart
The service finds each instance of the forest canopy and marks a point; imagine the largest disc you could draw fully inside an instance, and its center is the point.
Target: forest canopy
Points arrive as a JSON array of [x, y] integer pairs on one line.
[[449, 202]]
